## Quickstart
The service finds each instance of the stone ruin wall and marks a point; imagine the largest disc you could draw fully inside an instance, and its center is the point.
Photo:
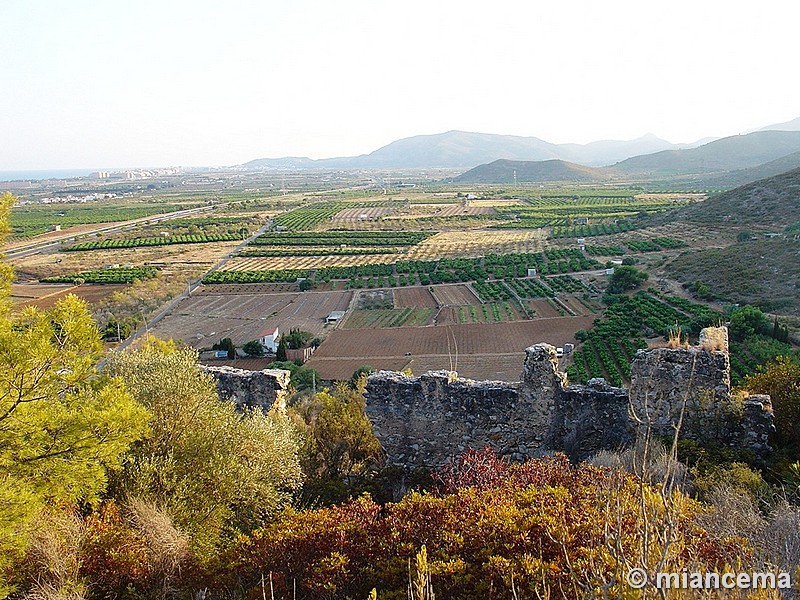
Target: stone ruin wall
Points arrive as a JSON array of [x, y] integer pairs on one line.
[[264, 390], [424, 421]]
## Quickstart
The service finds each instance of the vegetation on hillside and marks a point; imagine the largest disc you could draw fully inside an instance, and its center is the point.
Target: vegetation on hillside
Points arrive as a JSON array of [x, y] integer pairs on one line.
[[763, 272], [770, 202]]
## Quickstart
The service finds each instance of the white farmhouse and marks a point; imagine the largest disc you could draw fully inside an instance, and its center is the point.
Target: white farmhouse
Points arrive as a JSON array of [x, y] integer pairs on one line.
[[269, 339]]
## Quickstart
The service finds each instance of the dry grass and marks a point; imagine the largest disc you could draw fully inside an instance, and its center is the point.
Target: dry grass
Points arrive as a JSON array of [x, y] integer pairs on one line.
[[676, 339], [714, 339], [55, 554], [168, 546], [653, 462]]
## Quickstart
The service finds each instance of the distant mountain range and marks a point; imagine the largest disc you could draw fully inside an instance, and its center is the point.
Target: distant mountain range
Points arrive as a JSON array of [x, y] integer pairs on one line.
[[491, 158], [461, 149], [725, 163]]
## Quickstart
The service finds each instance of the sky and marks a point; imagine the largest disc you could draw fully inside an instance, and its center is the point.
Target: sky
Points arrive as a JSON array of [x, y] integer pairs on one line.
[[112, 84]]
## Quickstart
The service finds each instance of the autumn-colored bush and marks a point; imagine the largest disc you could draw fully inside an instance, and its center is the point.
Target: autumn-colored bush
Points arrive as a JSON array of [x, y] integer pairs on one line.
[[545, 528], [114, 554]]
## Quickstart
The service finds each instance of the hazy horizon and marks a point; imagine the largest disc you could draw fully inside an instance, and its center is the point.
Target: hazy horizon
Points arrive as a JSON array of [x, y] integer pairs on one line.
[[201, 84]]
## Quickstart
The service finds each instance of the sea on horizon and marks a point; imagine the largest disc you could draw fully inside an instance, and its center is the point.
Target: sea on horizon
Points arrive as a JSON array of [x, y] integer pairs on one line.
[[36, 175]]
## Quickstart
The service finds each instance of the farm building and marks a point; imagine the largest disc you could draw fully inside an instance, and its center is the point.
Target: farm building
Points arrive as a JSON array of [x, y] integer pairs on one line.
[[334, 316], [269, 339], [301, 354]]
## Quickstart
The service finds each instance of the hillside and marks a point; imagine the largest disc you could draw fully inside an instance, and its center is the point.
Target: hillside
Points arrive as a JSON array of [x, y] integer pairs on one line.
[[765, 272], [762, 272], [727, 154], [741, 177], [508, 171], [768, 203], [793, 125]]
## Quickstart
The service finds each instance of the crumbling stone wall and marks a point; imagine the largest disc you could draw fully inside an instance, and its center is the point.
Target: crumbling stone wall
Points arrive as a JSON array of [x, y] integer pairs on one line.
[[588, 418], [691, 388], [264, 390], [423, 421]]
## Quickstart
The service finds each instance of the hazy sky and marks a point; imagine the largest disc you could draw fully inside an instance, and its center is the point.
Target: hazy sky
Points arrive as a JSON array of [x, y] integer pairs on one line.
[[107, 83]]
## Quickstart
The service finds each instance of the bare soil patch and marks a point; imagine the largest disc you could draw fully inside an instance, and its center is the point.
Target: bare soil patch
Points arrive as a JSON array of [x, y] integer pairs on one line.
[[543, 309], [484, 351], [206, 318], [44, 296], [455, 295], [414, 297]]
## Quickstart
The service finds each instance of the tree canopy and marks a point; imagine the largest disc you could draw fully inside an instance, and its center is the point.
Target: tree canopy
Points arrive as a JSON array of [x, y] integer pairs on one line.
[[212, 469], [626, 278], [63, 425]]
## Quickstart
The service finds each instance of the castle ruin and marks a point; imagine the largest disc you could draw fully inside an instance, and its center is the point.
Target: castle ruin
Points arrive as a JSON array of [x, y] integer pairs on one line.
[[423, 421]]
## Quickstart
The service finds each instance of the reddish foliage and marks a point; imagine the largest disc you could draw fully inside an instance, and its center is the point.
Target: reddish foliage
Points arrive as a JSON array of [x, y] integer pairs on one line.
[[484, 470], [113, 554], [493, 521]]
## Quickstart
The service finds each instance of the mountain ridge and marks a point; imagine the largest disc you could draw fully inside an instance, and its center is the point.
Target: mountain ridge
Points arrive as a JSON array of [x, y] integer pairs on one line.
[[465, 149]]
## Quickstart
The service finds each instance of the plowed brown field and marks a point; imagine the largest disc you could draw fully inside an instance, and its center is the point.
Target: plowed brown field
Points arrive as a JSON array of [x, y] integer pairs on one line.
[[455, 295], [483, 351], [414, 297], [204, 319], [44, 296]]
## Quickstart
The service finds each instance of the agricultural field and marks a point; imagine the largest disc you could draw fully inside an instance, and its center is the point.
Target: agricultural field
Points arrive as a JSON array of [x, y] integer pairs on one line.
[[206, 317], [113, 275], [189, 260], [488, 312], [417, 297], [33, 219], [304, 263], [235, 289], [139, 242], [341, 238], [392, 317], [443, 211], [348, 215], [603, 211], [455, 295], [44, 296], [544, 309], [479, 351], [477, 243]]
